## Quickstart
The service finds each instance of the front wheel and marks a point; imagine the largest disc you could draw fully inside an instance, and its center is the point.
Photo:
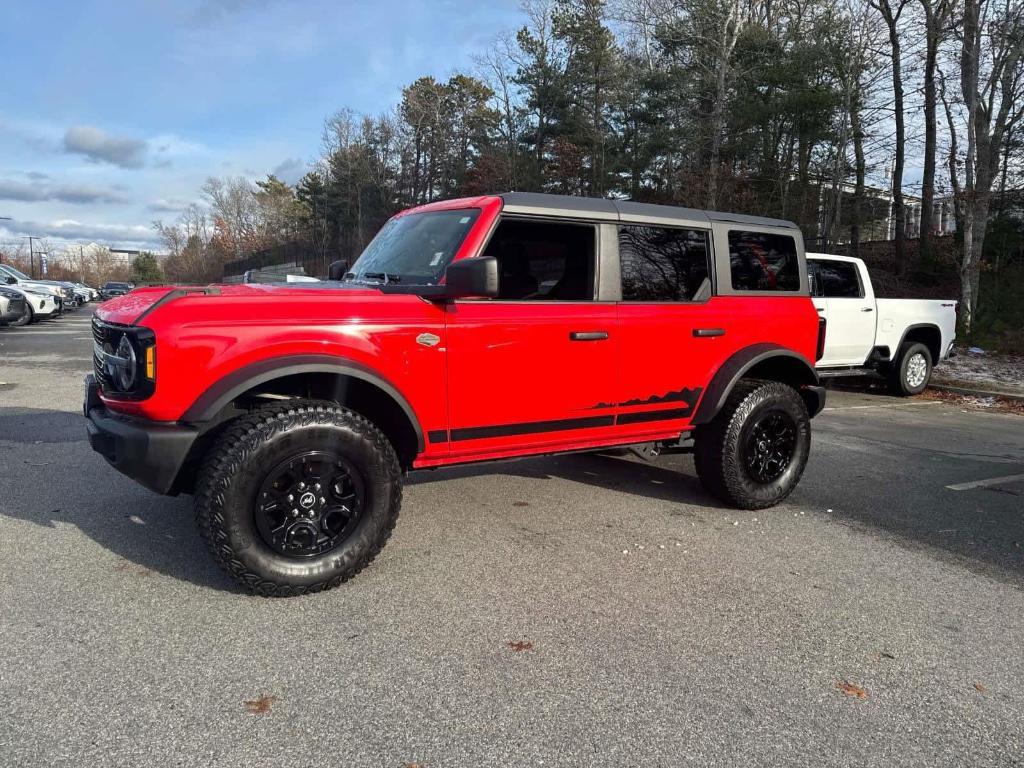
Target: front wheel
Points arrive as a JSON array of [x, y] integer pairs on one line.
[[28, 316], [298, 497], [752, 454], [912, 370]]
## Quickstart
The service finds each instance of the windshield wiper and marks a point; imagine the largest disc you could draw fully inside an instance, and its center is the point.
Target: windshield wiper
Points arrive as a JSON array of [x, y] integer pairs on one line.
[[387, 277]]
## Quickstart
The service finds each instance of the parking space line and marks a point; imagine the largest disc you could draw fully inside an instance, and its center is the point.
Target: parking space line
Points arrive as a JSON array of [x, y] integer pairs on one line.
[[985, 483], [880, 405]]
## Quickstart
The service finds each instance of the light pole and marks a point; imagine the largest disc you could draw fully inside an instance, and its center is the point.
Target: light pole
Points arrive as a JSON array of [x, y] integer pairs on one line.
[[31, 254]]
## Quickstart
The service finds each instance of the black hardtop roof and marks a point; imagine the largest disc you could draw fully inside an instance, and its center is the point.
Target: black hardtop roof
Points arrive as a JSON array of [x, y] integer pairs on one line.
[[618, 210]]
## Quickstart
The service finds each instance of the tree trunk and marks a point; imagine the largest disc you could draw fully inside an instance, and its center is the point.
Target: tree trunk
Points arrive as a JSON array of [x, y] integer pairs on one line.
[[935, 17]]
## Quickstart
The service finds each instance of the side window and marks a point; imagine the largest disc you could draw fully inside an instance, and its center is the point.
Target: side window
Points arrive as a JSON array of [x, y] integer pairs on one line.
[[762, 261], [543, 260], [662, 263], [838, 280], [814, 278]]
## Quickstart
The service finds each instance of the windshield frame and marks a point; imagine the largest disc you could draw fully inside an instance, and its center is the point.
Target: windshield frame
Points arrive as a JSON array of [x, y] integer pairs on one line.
[[376, 272]]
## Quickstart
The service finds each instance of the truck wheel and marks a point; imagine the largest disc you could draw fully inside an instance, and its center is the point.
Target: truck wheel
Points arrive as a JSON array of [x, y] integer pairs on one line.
[[752, 454], [298, 497], [26, 317], [912, 370]]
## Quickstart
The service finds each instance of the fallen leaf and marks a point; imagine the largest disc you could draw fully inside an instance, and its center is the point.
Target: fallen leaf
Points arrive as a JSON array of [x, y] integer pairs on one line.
[[850, 689], [414, 765], [980, 688], [520, 645], [260, 706]]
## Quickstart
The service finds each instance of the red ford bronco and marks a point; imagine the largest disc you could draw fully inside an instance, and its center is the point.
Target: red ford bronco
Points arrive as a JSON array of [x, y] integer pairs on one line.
[[468, 330]]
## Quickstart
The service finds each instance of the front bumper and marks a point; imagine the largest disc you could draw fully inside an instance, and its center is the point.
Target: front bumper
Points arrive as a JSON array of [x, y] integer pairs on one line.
[[814, 397], [151, 453]]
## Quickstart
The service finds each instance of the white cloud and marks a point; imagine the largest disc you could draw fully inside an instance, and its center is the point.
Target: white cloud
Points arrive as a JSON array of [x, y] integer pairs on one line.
[[290, 170], [76, 231], [65, 193], [101, 147]]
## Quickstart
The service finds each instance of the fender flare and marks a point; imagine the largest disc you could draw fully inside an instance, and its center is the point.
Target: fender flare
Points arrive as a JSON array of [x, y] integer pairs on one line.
[[917, 327], [220, 393], [736, 367]]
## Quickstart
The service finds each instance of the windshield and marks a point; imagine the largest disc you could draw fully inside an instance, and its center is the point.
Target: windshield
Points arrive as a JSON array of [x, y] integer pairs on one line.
[[116, 285], [414, 249], [12, 271]]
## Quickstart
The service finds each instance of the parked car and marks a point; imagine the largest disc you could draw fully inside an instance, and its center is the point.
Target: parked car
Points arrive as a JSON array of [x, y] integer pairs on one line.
[[38, 304], [12, 305], [12, 276], [110, 290], [485, 328], [91, 293], [899, 339]]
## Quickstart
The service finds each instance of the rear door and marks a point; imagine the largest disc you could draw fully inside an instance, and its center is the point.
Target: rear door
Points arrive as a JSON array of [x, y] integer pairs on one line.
[[849, 308], [535, 367], [671, 328]]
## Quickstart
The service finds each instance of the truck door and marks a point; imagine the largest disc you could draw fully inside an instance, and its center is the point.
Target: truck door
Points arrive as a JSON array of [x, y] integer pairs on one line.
[[845, 299], [534, 367]]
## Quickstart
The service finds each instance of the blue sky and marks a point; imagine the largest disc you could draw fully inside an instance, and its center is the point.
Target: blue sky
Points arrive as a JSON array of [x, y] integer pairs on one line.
[[112, 114]]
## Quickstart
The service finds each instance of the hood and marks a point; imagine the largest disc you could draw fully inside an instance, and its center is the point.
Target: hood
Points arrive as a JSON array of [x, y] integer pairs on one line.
[[130, 308], [41, 286]]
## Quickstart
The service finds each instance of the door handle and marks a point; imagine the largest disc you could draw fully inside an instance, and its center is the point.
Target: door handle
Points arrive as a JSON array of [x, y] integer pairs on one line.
[[867, 309], [821, 309], [588, 335], [703, 332]]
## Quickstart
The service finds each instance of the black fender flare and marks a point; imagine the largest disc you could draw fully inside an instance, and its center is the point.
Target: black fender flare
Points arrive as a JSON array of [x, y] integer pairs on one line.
[[218, 395], [917, 327], [742, 361]]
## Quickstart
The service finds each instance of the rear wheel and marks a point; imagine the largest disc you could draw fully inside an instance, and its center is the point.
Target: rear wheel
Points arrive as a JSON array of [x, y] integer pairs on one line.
[[752, 454], [298, 497], [912, 370]]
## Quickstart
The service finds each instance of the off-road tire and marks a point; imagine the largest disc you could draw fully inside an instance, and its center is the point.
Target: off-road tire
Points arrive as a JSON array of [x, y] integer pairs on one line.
[[235, 467], [900, 371], [28, 316], [720, 450]]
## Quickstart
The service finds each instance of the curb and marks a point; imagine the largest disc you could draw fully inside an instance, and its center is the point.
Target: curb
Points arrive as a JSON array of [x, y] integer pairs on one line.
[[978, 392]]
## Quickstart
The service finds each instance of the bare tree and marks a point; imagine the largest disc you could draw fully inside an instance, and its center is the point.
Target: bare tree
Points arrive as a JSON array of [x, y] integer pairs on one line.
[[936, 17], [891, 13]]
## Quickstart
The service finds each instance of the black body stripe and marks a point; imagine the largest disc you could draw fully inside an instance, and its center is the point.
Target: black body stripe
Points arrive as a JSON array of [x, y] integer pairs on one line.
[[556, 425], [638, 417]]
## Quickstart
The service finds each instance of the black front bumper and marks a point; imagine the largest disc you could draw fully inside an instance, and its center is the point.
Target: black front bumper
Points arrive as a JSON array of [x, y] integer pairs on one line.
[[149, 452], [814, 397]]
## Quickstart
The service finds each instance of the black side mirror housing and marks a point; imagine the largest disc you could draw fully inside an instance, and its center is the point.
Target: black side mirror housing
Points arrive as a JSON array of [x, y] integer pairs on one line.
[[337, 269], [477, 276]]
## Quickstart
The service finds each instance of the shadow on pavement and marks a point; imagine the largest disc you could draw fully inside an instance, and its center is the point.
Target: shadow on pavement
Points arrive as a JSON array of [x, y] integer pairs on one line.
[[50, 485]]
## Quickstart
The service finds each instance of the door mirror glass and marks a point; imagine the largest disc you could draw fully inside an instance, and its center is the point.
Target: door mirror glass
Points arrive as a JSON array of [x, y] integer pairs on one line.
[[472, 277], [337, 269]]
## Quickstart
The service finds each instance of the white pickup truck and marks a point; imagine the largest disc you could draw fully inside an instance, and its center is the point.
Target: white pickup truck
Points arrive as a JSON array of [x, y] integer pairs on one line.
[[899, 339]]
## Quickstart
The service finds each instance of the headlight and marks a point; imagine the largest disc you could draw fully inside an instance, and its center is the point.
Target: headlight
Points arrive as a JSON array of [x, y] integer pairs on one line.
[[122, 368], [124, 359]]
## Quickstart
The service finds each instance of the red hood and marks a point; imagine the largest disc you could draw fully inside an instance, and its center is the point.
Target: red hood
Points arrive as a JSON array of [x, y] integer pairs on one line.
[[127, 309]]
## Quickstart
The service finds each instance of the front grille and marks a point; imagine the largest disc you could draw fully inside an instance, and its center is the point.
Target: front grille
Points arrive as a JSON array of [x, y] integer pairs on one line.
[[105, 338]]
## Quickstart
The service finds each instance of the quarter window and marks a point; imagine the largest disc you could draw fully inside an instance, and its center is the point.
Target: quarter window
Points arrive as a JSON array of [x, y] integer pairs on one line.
[[761, 261], [662, 263]]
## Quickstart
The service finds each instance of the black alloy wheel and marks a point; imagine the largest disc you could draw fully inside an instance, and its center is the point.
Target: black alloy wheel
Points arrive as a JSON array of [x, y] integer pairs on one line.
[[309, 504], [770, 445]]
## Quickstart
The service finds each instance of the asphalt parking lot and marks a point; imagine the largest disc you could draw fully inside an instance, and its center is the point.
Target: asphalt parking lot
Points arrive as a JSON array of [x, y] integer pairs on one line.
[[588, 610]]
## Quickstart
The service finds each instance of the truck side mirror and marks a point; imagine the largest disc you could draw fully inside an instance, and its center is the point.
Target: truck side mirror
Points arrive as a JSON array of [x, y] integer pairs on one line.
[[477, 276], [337, 269]]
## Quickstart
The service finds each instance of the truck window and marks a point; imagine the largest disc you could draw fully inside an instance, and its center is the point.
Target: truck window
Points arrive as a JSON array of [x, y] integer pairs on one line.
[[762, 261], [837, 280], [662, 263], [543, 260]]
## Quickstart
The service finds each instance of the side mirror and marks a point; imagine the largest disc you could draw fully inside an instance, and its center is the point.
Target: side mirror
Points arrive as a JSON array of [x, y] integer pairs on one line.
[[337, 269], [472, 277]]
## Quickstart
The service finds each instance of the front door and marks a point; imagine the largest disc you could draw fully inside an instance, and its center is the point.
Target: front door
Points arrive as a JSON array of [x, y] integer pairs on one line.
[[534, 367]]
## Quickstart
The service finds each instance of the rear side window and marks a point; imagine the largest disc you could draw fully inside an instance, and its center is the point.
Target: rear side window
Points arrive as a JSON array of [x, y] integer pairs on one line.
[[762, 261], [836, 279], [662, 263]]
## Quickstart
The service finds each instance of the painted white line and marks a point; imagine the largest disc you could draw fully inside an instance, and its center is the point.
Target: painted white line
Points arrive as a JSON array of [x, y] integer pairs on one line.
[[985, 483], [882, 405]]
